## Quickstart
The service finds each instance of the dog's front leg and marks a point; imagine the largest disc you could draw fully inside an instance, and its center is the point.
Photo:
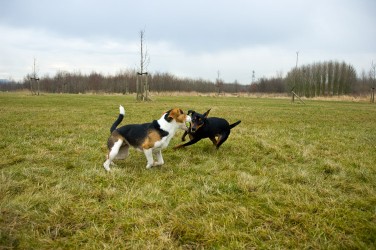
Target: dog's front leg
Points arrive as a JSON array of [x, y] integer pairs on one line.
[[149, 157], [193, 141], [160, 160], [184, 135]]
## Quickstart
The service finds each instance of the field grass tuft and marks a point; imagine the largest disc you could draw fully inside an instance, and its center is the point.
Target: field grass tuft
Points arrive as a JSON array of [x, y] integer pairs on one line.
[[289, 176]]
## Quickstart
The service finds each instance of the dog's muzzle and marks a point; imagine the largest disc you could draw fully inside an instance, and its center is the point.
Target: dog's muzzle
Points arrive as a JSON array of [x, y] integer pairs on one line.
[[187, 123]]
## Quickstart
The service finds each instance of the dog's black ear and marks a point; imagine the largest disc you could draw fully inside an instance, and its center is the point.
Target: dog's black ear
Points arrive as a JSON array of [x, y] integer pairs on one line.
[[190, 112], [167, 116], [206, 113]]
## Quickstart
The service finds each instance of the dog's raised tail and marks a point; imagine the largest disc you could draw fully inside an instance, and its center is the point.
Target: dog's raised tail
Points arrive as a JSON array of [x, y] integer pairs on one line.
[[119, 119], [235, 124]]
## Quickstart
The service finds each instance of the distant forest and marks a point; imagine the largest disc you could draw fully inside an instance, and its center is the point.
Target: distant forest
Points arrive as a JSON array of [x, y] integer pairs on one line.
[[318, 79]]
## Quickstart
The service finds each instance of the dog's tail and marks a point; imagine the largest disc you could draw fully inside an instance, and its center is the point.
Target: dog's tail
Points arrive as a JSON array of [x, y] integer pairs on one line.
[[235, 124], [119, 119]]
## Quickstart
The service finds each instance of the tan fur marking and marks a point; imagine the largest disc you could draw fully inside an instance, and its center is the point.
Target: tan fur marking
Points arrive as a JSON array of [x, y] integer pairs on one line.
[[177, 115], [153, 136], [115, 136]]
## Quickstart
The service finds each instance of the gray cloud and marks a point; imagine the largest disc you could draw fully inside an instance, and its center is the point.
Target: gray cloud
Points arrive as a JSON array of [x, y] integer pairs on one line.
[[188, 38]]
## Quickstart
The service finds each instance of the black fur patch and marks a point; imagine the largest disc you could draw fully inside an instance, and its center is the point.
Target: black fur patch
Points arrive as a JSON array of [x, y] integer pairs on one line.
[[169, 119], [157, 127]]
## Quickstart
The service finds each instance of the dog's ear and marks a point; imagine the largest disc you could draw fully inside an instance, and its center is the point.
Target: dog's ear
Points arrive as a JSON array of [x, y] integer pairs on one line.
[[207, 113], [190, 112], [168, 117]]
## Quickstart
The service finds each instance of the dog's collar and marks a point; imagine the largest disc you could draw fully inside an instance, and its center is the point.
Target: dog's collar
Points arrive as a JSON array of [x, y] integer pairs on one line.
[[157, 127]]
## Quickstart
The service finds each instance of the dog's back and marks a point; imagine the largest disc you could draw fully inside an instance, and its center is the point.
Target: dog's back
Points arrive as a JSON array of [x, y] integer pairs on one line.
[[135, 134], [213, 126]]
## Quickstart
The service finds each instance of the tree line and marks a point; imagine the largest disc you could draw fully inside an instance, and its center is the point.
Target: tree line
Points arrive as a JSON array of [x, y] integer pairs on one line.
[[322, 79], [317, 79], [122, 82]]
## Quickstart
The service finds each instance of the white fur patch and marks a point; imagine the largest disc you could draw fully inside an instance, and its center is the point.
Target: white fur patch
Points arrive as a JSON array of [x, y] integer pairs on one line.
[[112, 155], [122, 110]]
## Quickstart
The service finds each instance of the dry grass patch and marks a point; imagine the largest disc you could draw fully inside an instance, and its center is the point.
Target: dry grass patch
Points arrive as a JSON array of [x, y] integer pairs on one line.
[[289, 176]]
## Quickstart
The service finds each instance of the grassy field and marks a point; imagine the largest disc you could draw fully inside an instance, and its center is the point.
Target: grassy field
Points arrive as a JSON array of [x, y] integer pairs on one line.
[[291, 176]]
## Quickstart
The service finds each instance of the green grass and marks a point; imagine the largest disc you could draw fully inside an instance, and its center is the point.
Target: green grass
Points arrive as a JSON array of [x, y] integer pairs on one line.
[[290, 176]]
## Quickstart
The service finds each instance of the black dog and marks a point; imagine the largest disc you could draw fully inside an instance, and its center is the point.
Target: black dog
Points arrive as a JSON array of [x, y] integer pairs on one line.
[[189, 129], [203, 127]]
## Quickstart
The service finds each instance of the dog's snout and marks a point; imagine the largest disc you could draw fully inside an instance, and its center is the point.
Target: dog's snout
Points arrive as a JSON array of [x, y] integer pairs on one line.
[[188, 119]]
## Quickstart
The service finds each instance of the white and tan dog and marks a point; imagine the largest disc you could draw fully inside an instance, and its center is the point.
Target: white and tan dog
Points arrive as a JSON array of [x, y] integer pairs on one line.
[[148, 137]]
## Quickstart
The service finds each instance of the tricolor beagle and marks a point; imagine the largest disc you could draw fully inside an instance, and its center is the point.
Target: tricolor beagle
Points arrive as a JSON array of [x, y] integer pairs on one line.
[[148, 137]]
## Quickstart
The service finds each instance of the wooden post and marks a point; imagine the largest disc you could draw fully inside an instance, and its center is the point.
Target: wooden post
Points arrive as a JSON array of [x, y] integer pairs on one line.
[[294, 94], [137, 89], [36, 79], [146, 88], [373, 95], [142, 87]]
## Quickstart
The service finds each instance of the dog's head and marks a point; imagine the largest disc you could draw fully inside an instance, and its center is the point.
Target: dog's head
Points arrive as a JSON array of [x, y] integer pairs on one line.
[[178, 116], [198, 120]]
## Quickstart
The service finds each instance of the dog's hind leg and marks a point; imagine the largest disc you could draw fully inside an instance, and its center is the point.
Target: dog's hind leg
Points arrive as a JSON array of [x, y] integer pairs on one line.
[[222, 138], [112, 154], [214, 141], [123, 152]]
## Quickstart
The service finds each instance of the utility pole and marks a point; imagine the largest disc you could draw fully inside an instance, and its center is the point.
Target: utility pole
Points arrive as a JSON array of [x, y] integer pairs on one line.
[[297, 58], [295, 74], [219, 83], [293, 94], [373, 79]]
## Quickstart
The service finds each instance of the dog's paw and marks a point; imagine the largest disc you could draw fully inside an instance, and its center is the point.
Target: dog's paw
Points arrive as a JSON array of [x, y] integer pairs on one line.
[[107, 166], [177, 147], [158, 163]]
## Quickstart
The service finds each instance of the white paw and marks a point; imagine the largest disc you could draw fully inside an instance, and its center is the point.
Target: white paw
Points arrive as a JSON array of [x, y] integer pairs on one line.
[[106, 165], [158, 163]]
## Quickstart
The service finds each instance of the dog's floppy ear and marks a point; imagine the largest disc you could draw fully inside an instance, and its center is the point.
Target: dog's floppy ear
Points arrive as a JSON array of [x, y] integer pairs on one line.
[[190, 112], [168, 117], [207, 113]]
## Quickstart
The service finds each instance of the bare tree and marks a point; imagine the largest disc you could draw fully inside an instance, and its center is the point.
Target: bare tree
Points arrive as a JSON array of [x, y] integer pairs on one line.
[[34, 78], [142, 79], [219, 84]]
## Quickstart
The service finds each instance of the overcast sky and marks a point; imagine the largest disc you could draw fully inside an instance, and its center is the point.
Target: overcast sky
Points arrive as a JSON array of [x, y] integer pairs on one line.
[[187, 38]]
